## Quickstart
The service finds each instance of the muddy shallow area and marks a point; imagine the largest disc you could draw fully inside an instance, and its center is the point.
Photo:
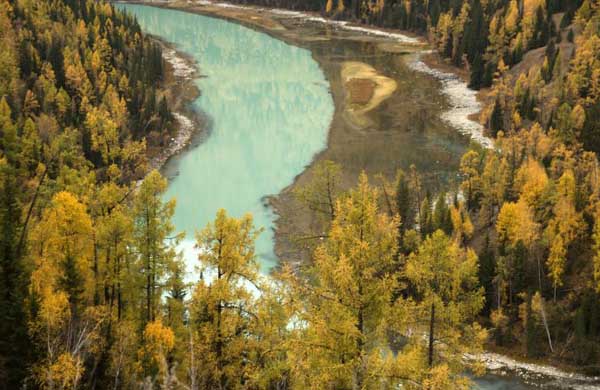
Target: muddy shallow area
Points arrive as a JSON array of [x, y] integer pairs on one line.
[[388, 116]]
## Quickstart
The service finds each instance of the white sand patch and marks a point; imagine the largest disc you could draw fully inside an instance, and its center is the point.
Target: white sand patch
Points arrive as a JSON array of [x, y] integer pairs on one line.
[[396, 36], [462, 99], [288, 13]]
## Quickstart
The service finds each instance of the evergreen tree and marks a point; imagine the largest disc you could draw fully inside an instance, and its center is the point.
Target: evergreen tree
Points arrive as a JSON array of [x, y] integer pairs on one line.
[[441, 215], [14, 342], [477, 73], [425, 218], [152, 229], [496, 119], [405, 202]]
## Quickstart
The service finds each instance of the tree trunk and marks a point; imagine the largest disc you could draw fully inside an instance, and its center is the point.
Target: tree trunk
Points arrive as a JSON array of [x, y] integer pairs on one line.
[[360, 344], [545, 323], [542, 305], [118, 274], [95, 268], [30, 211], [148, 270], [431, 336], [193, 385], [148, 298]]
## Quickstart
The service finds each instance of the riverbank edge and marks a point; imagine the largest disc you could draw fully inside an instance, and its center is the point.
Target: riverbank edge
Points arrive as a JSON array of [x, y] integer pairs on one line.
[[559, 376], [181, 92], [494, 362]]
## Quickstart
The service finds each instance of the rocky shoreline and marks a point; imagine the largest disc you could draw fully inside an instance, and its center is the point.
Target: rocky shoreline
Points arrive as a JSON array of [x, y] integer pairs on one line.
[[464, 102], [181, 91], [543, 375]]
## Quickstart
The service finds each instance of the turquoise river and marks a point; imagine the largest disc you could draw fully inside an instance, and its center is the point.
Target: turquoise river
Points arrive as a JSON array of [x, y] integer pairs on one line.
[[269, 108]]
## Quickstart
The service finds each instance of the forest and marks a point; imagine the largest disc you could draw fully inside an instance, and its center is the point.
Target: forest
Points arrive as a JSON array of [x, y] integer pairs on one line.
[[403, 285]]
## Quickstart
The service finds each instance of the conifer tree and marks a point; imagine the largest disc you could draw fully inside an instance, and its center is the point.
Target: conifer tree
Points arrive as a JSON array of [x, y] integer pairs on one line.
[[448, 300], [224, 312], [405, 202], [346, 306], [152, 231]]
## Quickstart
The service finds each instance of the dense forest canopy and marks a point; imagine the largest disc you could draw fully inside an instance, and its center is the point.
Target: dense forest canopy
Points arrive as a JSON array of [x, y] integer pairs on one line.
[[402, 283]]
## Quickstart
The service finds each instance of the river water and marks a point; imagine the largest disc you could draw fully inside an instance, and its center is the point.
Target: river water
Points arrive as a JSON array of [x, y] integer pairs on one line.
[[270, 110]]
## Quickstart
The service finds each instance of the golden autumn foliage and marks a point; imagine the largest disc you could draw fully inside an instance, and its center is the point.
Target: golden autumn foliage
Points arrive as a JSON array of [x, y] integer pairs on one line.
[[66, 372], [105, 138], [343, 318], [152, 228], [471, 183], [348, 310], [63, 243], [461, 223], [329, 6], [445, 277], [564, 228], [159, 340], [531, 181], [516, 223], [228, 323]]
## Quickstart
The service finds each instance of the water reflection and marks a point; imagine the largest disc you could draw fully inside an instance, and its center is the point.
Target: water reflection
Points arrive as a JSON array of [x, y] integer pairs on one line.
[[270, 108]]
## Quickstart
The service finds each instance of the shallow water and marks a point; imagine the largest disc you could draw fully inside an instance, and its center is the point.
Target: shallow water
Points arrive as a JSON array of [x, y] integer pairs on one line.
[[270, 109]]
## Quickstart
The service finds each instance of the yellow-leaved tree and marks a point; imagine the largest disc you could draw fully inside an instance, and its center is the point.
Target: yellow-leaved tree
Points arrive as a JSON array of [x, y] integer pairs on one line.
[[159, 340], [153, 233], [223, 307], [65, 322], [339, 336], [563, 229], [448, 299], [471, 185]]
